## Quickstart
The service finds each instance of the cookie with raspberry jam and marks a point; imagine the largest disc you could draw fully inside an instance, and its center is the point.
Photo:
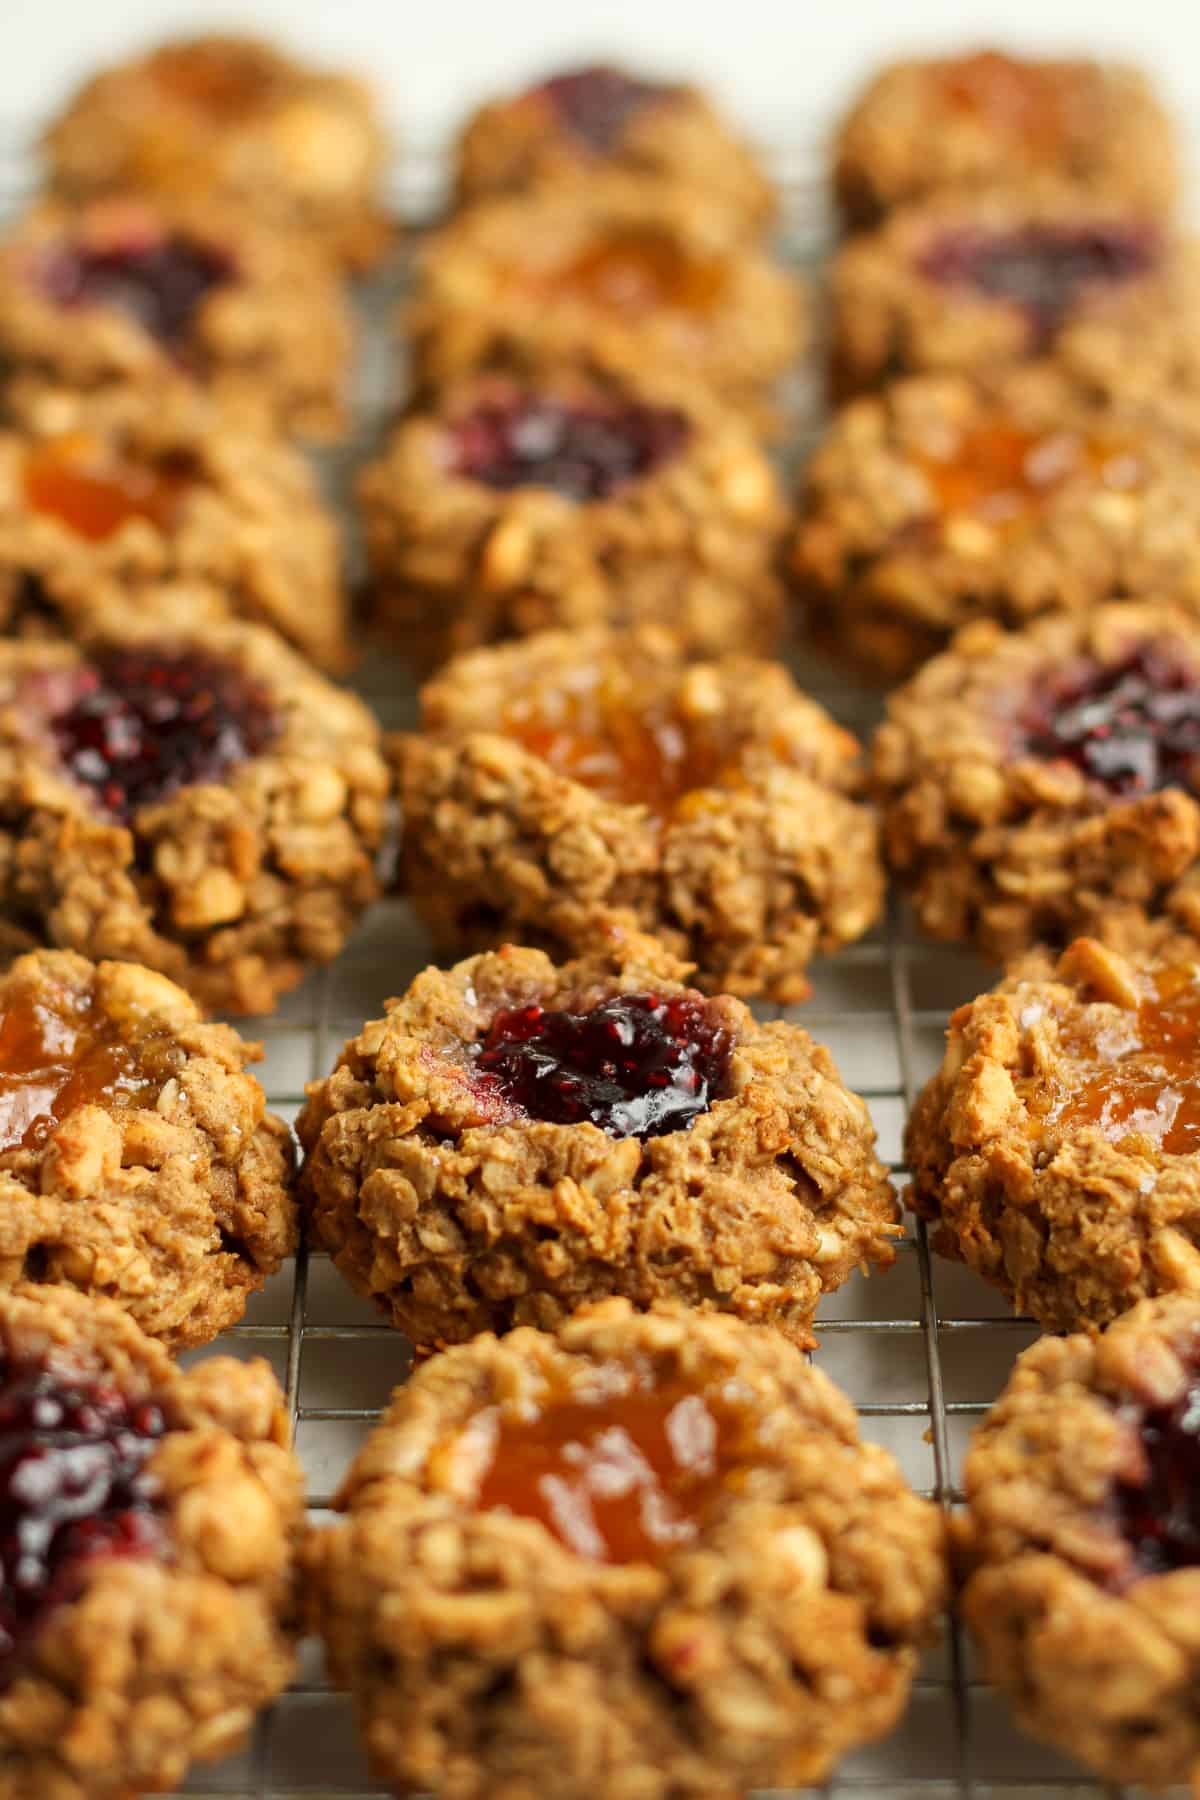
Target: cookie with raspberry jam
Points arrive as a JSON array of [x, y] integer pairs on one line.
[[194, 798], [516, 506], [102, 501], [137, 1159], [582, 121], [951, 498], [1045, 782], [1081, 1544], [986, 118], [240, 123], [151, 1521], [515, 1138], [645, 1555], [143, 293], [1057, 1150], [601, 279], [970, 281], [582, 776]]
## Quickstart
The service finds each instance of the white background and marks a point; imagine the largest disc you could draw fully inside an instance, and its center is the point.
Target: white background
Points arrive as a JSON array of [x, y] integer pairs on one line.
[[779, 62]]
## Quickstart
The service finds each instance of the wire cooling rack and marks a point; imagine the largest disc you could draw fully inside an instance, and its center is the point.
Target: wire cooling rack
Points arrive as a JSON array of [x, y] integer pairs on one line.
[[922, 1349]]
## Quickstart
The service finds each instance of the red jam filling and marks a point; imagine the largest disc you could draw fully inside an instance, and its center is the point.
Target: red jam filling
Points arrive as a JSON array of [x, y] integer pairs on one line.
[[583, 452], [161, 283], [638, 1065], [596, 104], [93, 489], [73, 1491], [623, 1472], [1135, 1075], [640, 270], [1133, 726], [1004, 475], [1046, 270], [61, 1051], [137, 725], [1159, 1515]]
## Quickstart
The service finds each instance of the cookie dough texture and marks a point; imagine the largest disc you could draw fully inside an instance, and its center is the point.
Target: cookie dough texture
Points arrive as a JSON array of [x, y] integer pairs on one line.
[[234, 889], [454, 1223], [1134, 338], [692, 543], [493, 293], [1094, 1657], [1004, 851], [237, 122], [158, 1663], [178, 1208], [1073, 1227], [888, 567], [767, 861], [676, 144], [987, 119], [486, 1659], [250, 531], [271, 347]]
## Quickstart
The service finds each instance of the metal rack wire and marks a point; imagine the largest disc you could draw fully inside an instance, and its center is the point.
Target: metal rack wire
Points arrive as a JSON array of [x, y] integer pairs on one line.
[[920, 1349]]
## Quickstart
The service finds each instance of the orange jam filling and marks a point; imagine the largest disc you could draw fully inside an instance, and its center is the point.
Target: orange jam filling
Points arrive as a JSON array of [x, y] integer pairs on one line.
[[63, 1051], [1004, 475], [1020, 99], [626, 748], [220, 80], [1140, 1074], [93, 489], [623, 1473], [638, 270]]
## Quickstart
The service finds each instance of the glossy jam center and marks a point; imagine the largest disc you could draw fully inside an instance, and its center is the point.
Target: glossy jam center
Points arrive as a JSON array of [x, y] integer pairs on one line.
[[1044, 269], [637, 1065], [60, 1051], [137, 725], [1133, 726], [1020, 99], [1138, 1074], [637, 271], [1160, 1515], [1004, 475], [596, 104], [622, 1477], [584, 452], [223, 81], [160, 283], [73, 1491], [93, 489], [633, 751]]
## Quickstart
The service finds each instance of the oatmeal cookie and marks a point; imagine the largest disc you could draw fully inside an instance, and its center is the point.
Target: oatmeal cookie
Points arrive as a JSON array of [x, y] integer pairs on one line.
[[1081, 1546], [582, 121], [195, 798], [582, 775], [971, 281], [143, 293], [1057, 1150], [103, 501], [600, 279], [478, 1159], [151, 1525], [986, 119], [137, 1159], [516, 506], [949, 498], [1044, 782], [239, 123], [649, 1555]]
